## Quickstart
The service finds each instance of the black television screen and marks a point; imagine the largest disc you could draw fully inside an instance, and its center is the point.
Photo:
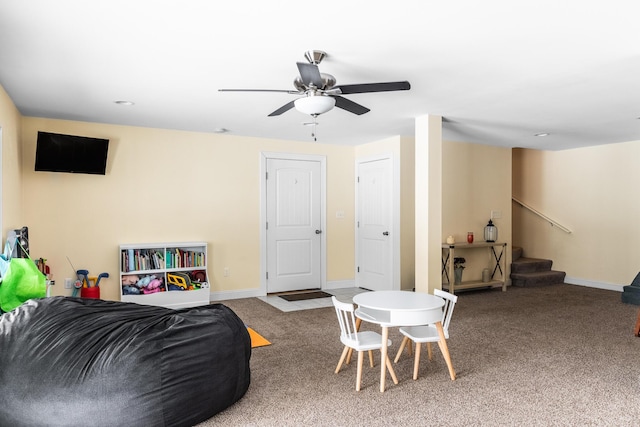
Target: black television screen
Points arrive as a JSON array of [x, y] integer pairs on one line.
[[70, 153]]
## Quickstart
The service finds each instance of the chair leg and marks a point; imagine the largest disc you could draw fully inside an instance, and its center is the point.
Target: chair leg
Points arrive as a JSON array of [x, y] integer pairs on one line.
[[429, 352], [358, 323], [402, 345], [359, 374], [371, 358], [444, 348], [391, 371], [416, 361], [342, 357], [636, 330]]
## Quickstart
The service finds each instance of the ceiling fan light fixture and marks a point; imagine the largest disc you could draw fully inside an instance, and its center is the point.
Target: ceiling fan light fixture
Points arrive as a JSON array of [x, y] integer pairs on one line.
[[315, 105]]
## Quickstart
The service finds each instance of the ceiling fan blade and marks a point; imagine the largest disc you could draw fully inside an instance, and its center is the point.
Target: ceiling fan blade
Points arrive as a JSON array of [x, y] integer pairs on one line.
[[294, 92], [350, 106], [286, 107], [373, 87], [310, 75]]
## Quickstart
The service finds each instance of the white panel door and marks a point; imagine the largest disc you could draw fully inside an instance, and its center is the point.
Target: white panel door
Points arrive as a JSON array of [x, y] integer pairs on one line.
[[293, 225], [375, 236]]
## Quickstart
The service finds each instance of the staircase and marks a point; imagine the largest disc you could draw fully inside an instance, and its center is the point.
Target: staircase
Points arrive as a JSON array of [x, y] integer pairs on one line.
[[529, 272]]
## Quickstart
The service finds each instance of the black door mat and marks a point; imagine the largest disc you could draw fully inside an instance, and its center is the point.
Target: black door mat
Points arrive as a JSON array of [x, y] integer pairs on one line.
[[305, 295]]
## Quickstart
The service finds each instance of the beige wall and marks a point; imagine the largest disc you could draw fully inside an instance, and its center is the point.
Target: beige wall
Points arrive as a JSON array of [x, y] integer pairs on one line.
[[407, 213], [593, 192], [476, 179], [11, 165], [428, 202], [146, 196], [163, 186]]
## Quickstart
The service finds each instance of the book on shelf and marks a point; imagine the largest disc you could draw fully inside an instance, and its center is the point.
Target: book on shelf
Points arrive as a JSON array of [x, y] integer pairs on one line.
[[142, 259], [180, 258], [158, 259]]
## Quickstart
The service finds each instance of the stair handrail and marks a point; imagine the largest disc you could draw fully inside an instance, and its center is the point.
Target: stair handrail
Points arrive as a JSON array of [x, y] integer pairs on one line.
[[543, 216]]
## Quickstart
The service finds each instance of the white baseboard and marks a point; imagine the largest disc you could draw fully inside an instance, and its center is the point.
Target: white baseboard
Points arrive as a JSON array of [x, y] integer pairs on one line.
[[340, 284], [593, 284], [243, 293], [257, 292]]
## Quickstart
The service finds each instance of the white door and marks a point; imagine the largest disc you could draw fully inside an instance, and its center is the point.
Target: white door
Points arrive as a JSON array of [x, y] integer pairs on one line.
[[374, 220], [293, 225]]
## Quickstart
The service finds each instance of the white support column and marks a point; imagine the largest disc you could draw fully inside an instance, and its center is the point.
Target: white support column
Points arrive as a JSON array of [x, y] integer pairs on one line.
[[428, 203]]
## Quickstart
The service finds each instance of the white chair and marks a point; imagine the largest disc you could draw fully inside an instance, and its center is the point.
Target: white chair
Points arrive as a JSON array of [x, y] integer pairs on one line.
[[358, 341], [427, 333]]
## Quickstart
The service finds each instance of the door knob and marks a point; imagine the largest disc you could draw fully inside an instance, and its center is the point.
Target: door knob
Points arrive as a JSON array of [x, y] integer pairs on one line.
[[386, 233], [318, 231]]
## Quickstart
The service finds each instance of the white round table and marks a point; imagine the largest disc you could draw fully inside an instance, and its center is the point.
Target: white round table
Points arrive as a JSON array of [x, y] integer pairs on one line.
[[402, 308]]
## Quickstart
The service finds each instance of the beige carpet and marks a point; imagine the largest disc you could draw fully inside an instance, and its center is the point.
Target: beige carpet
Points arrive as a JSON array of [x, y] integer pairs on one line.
[[562, 355]]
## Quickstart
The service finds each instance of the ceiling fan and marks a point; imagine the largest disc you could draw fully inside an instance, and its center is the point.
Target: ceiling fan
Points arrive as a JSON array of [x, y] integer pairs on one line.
[[320, 91]]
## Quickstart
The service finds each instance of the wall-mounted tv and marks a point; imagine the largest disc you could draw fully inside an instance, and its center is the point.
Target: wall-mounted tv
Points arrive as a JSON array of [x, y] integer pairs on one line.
[[70, 153]]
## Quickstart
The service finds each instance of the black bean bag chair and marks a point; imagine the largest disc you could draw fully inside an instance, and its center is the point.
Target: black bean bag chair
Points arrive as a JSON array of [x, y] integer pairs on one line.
[[78, 362]]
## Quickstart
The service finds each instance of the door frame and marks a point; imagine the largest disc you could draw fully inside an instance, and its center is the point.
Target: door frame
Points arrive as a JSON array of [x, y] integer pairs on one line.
[[395, 228], [264, 157]]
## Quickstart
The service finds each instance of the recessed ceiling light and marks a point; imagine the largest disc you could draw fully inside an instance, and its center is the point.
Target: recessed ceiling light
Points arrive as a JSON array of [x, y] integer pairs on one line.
[[220, 130], [124, 102], [542, 134]]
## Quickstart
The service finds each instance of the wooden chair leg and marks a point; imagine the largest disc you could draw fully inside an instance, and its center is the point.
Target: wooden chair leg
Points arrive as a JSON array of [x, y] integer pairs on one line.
[[358, 323], [344, 354], [429, 352], [402, 345], [636, 331], [416, 361], [444, 348], [359, 374], [391, 371], [371, 358]]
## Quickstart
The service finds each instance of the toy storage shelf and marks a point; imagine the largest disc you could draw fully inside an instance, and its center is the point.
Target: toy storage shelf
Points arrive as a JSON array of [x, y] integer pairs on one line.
[[142, 261]]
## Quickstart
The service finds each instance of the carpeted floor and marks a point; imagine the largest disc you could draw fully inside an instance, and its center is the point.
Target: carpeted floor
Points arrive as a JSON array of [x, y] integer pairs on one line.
[[562, 355]]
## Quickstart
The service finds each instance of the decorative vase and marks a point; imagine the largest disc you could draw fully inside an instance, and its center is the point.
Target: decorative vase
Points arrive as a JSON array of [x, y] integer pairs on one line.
[[457, 272], [470, 237]]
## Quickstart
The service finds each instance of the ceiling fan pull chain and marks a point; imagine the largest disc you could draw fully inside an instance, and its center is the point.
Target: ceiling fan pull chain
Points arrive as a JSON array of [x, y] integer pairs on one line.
[[313, 133]]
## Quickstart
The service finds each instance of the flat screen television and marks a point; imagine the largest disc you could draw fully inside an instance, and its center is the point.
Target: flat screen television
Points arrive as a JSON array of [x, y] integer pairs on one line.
[[70, 153]]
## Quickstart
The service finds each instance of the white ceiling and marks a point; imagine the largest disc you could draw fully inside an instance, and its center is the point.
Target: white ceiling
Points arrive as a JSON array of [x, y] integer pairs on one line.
[[497, 71]]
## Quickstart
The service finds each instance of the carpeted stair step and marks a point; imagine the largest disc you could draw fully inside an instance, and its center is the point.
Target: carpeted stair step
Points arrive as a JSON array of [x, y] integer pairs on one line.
[[530, 265], [516, 253], [537, 278], [533, 271]]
